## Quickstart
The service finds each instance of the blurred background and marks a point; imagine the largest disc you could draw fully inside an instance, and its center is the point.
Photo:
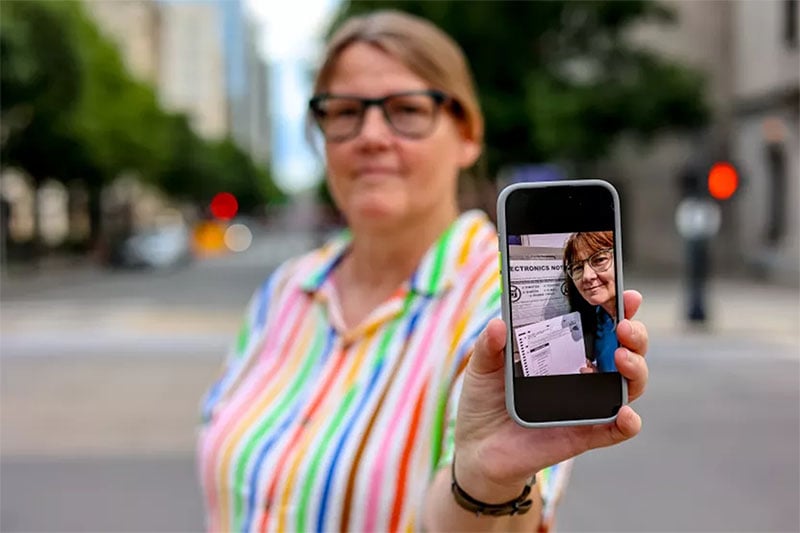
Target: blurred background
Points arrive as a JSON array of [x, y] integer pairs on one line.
[[155, 168]]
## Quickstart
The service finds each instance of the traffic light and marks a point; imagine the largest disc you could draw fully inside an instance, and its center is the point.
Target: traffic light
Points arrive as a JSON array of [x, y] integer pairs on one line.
[[224, 206], [723, 180]]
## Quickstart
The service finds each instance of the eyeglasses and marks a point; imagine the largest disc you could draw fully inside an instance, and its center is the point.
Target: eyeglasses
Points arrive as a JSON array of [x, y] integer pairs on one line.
[[599, 261], [411, 114]]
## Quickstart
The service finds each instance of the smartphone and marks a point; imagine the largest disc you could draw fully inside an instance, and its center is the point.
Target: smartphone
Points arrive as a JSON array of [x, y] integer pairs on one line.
[[561, 265]]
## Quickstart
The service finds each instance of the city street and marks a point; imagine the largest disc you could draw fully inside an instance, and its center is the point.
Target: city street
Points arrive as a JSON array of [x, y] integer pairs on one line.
[[102, 373]]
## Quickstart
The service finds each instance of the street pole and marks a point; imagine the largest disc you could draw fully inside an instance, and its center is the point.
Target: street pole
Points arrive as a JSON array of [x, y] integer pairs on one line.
[[697, 274]]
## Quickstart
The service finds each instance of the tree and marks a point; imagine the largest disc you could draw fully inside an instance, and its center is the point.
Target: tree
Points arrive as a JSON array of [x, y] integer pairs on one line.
[[117, 120], [39, 71], [70, 109], [196, 170], [40, 83], [560, 80], [72, 112]]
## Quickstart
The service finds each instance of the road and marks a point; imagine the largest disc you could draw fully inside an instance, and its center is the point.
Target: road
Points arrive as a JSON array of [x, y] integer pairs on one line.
[[719, 448], [102, 372]]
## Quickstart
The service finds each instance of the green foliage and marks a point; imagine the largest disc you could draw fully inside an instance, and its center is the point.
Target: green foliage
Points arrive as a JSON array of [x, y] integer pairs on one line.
[[117, 118], [38, 70], [40, 80], [71, 111], [233, 171], [197, 170], [559, 80], [75, 112]]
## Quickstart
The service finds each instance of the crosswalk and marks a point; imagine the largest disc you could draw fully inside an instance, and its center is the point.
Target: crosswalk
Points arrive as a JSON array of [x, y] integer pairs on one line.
[[119, 327], [194, 311]]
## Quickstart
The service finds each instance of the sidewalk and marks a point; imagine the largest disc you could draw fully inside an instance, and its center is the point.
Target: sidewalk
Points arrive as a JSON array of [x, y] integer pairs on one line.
[[127, 328], [736, 309]]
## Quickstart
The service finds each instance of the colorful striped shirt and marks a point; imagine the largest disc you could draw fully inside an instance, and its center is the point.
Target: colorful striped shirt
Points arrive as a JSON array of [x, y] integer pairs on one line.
[[316, 427]]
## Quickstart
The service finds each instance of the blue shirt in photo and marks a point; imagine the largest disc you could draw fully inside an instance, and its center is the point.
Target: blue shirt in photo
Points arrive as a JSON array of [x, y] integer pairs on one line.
[[606, 342]]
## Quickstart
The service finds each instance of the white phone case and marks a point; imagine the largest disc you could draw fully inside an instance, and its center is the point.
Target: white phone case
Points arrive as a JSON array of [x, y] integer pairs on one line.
[[506, 304]]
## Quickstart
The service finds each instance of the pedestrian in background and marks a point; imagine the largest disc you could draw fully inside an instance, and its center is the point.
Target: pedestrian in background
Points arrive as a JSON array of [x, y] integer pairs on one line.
[[365, 391]]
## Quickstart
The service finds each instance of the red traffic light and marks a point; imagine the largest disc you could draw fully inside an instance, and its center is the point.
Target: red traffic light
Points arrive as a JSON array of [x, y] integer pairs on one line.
[[224, 206], [723, 180]]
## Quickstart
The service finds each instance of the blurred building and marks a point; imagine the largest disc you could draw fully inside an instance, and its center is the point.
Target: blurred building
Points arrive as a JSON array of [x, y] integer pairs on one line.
[[191, 65], [202, 59], [177, 47], [748, 52], [134, 26], [765, 133], [247, 82], [256, 117]]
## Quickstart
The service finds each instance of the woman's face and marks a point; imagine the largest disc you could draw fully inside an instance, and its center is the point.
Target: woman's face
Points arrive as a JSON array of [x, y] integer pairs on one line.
[[379, 178], [597, 288]]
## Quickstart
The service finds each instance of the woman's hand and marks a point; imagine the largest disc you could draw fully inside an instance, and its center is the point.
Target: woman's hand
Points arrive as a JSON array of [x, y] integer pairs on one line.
[[590, 368], [494, 455]]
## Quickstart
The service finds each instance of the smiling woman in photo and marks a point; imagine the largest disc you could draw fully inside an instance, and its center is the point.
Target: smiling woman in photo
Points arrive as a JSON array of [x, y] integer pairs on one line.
[[591, 289]]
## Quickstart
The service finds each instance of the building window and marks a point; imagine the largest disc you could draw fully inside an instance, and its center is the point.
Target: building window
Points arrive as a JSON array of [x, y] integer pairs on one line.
[[790, 23]]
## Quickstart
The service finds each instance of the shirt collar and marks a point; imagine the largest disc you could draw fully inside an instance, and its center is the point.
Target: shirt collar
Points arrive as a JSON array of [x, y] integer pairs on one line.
[[439, 266], [325, 259]]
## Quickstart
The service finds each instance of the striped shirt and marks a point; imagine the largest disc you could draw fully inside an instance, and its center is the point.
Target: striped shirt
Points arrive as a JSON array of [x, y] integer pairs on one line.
[[316, 427]]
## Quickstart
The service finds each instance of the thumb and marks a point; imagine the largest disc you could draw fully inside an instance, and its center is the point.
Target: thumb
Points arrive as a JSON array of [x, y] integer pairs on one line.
[[489, 348]]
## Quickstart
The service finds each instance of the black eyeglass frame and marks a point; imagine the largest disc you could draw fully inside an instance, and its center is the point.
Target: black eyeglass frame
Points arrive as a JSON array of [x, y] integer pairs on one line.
[[588, 260], [440, 99]]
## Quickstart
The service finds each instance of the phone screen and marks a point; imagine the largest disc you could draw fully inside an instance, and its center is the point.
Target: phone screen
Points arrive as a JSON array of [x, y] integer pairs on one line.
[[562, 273]]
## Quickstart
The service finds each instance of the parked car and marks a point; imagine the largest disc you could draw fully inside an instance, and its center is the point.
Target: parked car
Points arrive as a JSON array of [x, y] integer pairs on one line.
[[161, 247]]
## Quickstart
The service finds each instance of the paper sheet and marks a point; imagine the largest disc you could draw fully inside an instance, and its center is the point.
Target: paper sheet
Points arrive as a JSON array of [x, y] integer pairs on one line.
[[553, 346]]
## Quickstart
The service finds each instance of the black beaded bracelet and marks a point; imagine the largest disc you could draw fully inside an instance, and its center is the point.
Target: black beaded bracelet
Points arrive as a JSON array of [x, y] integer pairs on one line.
[[520, 505]]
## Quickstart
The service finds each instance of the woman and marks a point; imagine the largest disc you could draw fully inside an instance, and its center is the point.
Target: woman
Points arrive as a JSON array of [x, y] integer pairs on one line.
[[591, 289], [365, 367]]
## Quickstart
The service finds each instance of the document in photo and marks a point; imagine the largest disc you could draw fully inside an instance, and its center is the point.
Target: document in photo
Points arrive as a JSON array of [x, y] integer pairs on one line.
[[536, 290], [553, 346]]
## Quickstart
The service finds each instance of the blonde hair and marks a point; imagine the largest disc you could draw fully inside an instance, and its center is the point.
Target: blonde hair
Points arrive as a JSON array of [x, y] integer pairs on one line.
[[422, 47]]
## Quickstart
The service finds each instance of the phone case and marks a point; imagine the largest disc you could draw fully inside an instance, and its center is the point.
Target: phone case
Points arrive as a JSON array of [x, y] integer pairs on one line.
[[506, 303]]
